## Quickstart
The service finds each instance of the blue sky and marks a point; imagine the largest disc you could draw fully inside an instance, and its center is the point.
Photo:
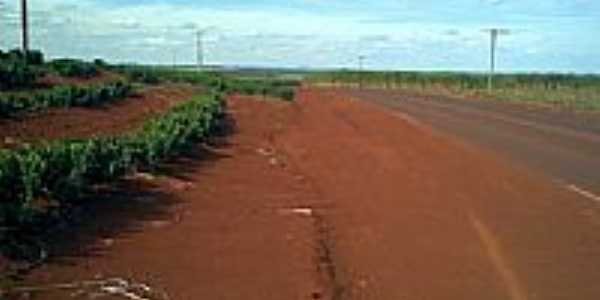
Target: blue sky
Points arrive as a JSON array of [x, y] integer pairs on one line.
[[547, 35]]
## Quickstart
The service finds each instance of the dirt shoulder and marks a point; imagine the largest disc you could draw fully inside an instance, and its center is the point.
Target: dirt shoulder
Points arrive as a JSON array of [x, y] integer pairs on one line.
[[81, 122], [216, 224]]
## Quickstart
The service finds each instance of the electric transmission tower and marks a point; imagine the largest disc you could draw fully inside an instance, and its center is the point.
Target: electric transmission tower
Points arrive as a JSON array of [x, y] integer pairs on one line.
[[494, 33]]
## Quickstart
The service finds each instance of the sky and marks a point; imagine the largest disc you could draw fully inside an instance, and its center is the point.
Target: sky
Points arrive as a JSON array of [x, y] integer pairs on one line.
[[545, 35]]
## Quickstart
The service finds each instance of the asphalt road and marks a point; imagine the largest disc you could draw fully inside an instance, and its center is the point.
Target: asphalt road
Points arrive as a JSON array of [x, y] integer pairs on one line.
[[563, 145]]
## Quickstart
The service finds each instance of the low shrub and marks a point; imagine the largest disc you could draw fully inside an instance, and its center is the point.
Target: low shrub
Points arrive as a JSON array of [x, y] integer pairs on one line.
[[62, 96], [61, 170], [285, 90], [20, 70], [74, 68]]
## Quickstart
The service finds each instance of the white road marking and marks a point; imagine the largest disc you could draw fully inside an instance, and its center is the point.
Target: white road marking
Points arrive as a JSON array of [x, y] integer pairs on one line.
[[405, 117], [583, 192]]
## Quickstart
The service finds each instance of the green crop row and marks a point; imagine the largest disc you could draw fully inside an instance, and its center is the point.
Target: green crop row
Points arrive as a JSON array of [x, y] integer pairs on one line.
[[17, 73], [155, 75], [61, 170], [283, 89], [569, 91], [460, 80], [74, 68], [224, 82], [32, 57], [61, 96]]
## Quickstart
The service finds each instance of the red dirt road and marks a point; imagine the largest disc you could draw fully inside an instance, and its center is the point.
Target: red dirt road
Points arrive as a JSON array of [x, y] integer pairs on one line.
[[388, 210]]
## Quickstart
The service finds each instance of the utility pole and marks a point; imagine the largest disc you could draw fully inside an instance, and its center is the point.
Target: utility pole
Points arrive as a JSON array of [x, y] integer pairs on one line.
[[361, 60], [174, 59], [200, 57], [25, 27], [494, 33], [200, 49], [1, 11]]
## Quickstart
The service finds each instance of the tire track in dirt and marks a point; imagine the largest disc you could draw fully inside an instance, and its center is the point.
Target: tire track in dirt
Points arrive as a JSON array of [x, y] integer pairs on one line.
[[327, 266], [326, 254], [498, 259], [316, 208]]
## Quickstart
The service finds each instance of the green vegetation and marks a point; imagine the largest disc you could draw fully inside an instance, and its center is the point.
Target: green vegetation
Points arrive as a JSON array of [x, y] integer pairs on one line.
[[44, 182], [74, 68], [229, 83], [57, 172], [20, 70], [32, 57], [567, 90], [46, 179], [156, 75], [61, 96], [19, 73], [284, 89]]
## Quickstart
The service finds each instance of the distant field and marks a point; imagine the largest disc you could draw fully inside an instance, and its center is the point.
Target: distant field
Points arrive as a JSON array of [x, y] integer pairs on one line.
[[578, 92]]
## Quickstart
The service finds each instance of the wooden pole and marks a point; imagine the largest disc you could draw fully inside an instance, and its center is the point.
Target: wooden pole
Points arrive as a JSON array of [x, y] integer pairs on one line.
[[25, 27], [493, 41]]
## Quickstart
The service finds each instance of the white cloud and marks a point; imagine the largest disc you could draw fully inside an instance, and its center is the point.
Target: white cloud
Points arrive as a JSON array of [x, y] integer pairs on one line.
[[399, 34]]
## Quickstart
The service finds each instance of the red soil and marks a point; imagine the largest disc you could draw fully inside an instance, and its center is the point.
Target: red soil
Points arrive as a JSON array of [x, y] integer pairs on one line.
[[214, 228], [78, 122], [102, 77], [391, 211], [417, 215]]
